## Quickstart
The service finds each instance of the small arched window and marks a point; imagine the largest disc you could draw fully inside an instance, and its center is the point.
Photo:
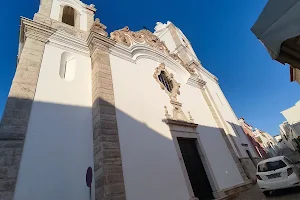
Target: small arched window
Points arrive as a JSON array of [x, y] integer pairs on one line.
[[68, 15], [165, 81]]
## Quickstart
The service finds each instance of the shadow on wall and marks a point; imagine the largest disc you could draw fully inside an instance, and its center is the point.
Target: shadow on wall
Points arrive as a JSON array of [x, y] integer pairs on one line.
[[250, 161], [60, 145], [58, 150]]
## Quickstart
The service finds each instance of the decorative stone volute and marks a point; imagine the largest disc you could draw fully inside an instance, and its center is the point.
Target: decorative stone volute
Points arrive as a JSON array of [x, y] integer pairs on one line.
[[129, 38], [99, 28]]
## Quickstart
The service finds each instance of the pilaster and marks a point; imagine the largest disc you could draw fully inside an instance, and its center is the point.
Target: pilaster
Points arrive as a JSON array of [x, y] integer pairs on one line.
[[212, 106], [109, 181], [90, 19], [179, 46], [45, 7], [16, 115]]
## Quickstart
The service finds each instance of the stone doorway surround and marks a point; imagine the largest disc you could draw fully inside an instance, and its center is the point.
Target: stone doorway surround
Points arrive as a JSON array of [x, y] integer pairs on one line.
[[182, 129]]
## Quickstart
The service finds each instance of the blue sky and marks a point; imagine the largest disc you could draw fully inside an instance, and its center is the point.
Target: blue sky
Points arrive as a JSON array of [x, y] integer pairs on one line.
[[257, 88]]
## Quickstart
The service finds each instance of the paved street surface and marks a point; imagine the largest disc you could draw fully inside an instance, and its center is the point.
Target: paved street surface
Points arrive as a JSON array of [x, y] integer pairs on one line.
[[255, 194], [287, 194]]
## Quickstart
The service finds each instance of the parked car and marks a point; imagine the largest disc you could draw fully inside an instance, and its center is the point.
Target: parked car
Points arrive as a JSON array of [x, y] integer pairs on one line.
[[277, 173]]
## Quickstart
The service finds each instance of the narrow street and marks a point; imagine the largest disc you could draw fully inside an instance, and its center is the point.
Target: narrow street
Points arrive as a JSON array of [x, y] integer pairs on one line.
[[290, 154], [286, 194], [255, 194]]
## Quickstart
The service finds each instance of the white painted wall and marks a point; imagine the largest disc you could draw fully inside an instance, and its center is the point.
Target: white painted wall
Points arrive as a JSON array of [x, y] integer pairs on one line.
[[229, 117], [217, 94], [76, 4], [59, 141], [285, 129], [150, 163], [292, 114], [191, 52], [214, 145], [278, 138], [168, 39]]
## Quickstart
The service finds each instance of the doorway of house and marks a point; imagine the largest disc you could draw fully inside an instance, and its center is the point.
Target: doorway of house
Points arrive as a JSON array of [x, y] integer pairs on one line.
[[250, 156], [195, 169]]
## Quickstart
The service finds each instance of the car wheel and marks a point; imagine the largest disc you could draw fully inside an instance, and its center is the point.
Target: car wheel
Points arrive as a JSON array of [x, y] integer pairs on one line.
[[266, 193]]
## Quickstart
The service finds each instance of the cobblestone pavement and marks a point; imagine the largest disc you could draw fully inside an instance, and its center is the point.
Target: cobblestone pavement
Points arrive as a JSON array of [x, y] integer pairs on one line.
[[255, 194]]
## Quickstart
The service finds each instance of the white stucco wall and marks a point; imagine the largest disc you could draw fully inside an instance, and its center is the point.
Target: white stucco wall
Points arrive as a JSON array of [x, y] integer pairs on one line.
[[168, 39], [150, 163], [218, 96], [191, 52], [229, 117], [292, 114], [214, 145], [74, 4], [223, 106], [59, 142]]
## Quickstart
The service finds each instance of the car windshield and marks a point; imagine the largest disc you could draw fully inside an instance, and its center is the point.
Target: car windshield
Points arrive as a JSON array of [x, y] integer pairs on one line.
[[271, 166]]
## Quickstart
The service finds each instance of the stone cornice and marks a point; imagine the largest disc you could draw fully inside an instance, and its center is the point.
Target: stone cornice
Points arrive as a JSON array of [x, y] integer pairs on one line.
[[69, 43], [36, 30], [180, 123], [135, 52], [196, 81], [53, 36]]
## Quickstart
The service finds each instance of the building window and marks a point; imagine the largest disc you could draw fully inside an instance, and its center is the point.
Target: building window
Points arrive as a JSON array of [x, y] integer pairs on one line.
[[165, 81], [68, 16], [67, 66]]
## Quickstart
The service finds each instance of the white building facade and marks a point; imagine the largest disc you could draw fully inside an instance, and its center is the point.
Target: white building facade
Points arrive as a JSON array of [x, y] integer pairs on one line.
[[136, 107], [288, 135], [268, 142], [292, 115]]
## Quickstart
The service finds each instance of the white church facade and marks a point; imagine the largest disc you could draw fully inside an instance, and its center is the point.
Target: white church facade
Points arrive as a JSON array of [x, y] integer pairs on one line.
[[136, 107]]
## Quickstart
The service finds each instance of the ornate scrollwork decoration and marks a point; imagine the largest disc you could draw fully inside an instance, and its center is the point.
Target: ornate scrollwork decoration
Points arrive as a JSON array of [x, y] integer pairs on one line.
[[171, 87], [121, 36], [99, 27], [173, 90], [127, 37]]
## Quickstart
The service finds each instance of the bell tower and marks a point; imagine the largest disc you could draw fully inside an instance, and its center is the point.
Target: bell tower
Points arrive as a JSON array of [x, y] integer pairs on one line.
[[46, 132], [70, 12], [177, 43]]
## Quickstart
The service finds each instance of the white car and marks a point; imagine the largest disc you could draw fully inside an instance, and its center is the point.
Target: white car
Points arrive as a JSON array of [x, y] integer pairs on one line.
[[277, 173]]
